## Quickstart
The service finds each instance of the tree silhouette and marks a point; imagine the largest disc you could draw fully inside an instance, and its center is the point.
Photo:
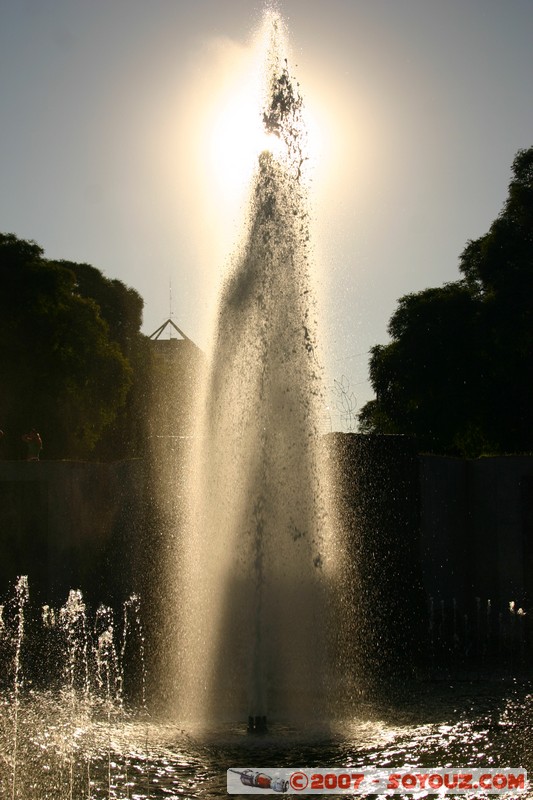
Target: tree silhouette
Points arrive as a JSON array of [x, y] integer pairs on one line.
[[62, 372], [457, 372]]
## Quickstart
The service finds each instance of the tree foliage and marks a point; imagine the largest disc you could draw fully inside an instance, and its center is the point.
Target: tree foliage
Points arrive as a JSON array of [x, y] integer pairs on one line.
[[121, 308], [65, 336], [457, 372]]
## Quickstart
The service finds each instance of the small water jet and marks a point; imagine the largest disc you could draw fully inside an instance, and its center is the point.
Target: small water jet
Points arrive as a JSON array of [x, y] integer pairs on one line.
[[65, 710]]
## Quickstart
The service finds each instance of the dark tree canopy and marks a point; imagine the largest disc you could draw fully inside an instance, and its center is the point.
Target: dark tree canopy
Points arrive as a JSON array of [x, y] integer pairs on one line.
[[120, 306], [458, 370], [65, 336]]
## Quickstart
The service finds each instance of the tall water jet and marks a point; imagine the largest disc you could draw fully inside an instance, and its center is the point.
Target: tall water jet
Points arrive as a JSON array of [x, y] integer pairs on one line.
[[254, 604]]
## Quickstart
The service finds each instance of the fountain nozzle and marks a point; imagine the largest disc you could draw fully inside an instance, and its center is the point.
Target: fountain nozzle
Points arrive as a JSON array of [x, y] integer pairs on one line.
[[257, 725]]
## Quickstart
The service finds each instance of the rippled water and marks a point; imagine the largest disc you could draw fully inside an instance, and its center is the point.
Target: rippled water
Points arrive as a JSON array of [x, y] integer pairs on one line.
[[65, 750]]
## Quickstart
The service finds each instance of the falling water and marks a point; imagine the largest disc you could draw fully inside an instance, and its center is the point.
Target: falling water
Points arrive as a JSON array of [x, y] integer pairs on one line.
[[21, 601], [254, 626]]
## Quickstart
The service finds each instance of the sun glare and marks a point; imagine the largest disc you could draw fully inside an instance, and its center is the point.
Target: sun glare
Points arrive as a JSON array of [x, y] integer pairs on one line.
[[237, 134], [229, 135], [238, 137]]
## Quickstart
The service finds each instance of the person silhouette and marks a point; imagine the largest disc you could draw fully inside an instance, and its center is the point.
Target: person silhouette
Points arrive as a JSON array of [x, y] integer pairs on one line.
[[35, 445]]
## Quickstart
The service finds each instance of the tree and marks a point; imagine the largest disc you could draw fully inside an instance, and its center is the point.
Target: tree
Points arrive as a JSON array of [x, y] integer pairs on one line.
[[499, 269], [426, 379], [457, 371], [121, 308], [61, 371]]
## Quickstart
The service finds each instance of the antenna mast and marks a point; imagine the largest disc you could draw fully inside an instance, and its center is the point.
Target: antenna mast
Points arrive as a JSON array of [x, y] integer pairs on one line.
[[170, 312]]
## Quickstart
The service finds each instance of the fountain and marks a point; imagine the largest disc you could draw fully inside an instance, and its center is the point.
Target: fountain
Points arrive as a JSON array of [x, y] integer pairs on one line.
[[258, 550], [262, 610]]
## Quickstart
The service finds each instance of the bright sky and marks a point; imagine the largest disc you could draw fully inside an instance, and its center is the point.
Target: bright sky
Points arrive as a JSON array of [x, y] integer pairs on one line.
[[113, 114]]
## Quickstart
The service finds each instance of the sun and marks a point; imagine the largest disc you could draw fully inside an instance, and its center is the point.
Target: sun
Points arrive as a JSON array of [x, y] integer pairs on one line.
[[238, 138], [230, 135]]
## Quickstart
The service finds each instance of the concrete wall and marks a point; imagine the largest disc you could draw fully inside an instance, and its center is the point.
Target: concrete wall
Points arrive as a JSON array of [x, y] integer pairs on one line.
[[377, 495], [96, 526], [69, 525], [476, 521]]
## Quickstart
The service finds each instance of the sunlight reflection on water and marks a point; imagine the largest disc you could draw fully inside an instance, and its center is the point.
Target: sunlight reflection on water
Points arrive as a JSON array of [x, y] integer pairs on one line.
[[123, 757]]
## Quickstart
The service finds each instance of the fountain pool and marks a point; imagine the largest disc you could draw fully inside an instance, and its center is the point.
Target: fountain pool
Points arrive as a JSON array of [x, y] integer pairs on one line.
[[73, 753]]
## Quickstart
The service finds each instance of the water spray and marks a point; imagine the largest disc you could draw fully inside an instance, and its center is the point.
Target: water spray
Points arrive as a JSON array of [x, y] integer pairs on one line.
[[257, 487]]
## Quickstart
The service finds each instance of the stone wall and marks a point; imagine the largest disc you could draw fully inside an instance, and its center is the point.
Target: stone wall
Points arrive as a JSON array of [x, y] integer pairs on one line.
[[476, 521], [70, 524], [461, 529], [378, 499]]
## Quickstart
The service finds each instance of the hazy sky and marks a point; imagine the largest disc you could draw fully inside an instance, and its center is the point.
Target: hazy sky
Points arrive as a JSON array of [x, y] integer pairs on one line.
[[112, 134]]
